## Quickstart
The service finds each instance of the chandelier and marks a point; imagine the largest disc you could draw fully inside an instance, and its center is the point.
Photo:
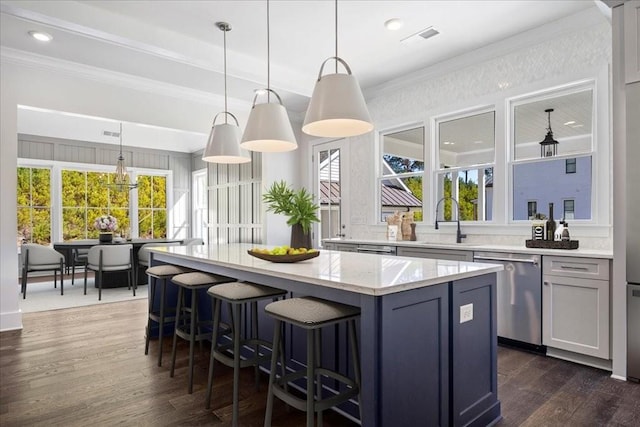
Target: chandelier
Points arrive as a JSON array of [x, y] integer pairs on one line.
[[121, 180]]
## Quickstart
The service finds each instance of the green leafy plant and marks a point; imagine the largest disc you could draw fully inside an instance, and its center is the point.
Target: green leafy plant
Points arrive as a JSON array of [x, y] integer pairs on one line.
[[297, 205]]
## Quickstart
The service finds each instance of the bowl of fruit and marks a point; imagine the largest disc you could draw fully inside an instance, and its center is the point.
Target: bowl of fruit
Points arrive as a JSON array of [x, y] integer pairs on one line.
[[284, 254]]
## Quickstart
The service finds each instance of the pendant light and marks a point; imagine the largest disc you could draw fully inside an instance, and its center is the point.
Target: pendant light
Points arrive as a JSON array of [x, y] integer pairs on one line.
[[121, 179], [549, 146], [268, 127], [337, 107], [223, 145]]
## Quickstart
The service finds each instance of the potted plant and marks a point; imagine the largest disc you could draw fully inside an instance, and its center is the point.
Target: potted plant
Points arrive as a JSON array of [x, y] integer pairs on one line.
[[298, 206]]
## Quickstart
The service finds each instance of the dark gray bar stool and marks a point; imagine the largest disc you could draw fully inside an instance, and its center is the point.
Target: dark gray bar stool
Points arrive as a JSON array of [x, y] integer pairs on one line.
[[163, 314], [237, 295], [193, 281], [312, 314]]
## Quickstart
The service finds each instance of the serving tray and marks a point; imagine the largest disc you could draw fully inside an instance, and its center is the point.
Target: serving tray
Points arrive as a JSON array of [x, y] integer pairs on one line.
[[284, 258], [552, 244]]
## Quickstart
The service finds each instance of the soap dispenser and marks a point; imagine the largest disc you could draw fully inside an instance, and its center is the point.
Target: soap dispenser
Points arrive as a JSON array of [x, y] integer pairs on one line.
[[565, 232], [557, 235]]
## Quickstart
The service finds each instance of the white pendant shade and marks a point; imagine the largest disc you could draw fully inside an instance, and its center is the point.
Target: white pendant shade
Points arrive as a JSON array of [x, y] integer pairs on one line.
[[268, 129], [337, 107], [224, 145]]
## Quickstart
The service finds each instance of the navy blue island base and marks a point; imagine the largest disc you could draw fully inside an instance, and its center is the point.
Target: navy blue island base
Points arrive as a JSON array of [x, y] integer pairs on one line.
[[421, 366]]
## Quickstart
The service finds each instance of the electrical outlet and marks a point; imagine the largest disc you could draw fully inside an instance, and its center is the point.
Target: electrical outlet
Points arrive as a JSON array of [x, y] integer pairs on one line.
[[466, 313]]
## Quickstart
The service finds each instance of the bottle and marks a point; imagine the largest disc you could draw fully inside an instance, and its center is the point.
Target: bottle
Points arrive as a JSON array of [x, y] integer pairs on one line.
[[565, 233], [551, 224]]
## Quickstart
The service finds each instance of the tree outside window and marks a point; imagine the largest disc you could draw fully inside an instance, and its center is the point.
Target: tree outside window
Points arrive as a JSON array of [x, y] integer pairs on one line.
[[152, 206], [34, 205], [86, 196]]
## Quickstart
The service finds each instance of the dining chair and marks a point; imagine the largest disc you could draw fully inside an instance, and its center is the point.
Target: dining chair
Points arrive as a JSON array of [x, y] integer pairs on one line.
[[79, 257], [41, 258], [109, 258]]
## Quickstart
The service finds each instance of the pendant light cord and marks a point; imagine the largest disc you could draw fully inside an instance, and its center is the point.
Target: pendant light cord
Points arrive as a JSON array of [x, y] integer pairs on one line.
[[268, 58], [336, 20], [120, 140], [224, 31]]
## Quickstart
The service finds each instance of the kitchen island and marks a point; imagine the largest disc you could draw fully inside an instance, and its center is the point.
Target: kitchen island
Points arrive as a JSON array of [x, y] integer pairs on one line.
[[422, 363]]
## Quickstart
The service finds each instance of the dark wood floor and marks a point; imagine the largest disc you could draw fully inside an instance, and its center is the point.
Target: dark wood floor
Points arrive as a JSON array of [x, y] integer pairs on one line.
[[86, 366]]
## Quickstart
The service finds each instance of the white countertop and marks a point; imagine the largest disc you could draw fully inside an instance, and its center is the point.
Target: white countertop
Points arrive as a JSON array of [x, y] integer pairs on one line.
[[355, 272], [582, 253]]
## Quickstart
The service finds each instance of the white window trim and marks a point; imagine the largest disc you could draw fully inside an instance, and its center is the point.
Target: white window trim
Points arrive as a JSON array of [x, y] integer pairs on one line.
[[56, 168]]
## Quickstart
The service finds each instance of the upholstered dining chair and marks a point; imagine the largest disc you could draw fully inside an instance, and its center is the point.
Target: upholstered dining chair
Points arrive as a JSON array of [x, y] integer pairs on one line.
[[41, 258], [109, 258], [79, 257]]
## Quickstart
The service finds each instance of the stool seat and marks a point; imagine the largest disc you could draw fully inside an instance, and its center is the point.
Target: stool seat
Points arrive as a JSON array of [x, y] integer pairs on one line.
[[310, 312], [199, 278], [243, 291], [165, 270]]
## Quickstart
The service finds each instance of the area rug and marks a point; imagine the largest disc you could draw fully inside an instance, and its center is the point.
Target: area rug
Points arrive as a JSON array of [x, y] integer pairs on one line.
[[42, 296]]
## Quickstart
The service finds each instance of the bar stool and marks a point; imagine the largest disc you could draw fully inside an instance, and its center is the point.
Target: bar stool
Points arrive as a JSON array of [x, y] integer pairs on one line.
[[193, 281], [163, 314], [312, 314], [237, 295]]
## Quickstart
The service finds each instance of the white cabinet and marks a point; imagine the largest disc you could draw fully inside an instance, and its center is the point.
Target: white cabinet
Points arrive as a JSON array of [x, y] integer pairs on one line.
[[632, 41], [575, 305], [451, 254]]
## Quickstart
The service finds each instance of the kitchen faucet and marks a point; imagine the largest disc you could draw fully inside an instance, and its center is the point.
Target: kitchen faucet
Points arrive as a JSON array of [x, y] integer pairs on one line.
[[459, 235]]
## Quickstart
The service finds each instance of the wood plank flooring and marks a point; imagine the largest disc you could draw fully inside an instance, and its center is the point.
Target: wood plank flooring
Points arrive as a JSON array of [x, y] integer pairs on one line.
[[86, 366]]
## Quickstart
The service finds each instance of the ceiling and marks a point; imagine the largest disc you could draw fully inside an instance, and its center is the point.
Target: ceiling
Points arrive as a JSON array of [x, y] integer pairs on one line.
[[176, 44]]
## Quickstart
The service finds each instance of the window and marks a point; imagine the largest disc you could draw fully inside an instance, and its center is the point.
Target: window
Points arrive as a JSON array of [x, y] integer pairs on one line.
[[466, 152], [86, 196], [569, 209], [532, 209], [567, 176], [152, 206], [34, 205], [402, 173]]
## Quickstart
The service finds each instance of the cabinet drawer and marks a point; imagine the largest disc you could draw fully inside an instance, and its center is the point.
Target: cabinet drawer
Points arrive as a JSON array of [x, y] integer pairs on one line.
[[450, 254], [591, 268]]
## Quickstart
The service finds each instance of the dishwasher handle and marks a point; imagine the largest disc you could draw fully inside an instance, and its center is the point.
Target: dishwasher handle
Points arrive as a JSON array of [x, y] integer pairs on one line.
[[375, 251], [490, 258]]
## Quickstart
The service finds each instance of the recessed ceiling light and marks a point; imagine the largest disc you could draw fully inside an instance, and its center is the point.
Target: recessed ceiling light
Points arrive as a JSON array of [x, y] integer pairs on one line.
[[393, 24], [41, 36], [572, 122], [577, 126], [478, 142]]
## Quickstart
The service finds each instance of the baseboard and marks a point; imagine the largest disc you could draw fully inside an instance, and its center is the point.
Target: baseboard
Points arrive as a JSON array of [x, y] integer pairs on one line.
[[11, 321], [580, 358]]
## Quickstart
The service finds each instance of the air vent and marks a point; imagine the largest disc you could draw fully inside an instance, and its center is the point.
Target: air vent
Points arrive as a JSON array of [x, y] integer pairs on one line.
[[427, 33]]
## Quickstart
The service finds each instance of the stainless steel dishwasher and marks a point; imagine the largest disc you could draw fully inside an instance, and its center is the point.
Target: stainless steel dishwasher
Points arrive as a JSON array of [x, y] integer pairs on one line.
[[519, 295]]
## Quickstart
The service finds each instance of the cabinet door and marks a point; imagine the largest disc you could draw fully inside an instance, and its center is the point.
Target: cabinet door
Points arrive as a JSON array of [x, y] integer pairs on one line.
[[455, 255], [575, 315]]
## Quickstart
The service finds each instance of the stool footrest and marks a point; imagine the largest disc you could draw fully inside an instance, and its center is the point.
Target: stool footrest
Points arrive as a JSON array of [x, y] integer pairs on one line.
[[320, 405], [220, 355]]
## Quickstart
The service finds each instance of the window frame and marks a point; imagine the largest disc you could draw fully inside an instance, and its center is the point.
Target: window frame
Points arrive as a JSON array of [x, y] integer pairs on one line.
[[379, 176], [56, 190], [437, 170], [599, 107]]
